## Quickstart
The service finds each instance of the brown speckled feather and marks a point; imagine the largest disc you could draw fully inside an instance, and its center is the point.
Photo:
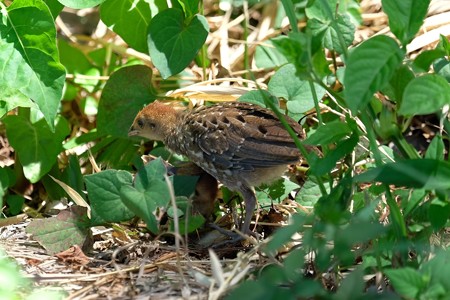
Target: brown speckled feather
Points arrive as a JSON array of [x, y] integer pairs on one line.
[[239, 136], [242, 145]]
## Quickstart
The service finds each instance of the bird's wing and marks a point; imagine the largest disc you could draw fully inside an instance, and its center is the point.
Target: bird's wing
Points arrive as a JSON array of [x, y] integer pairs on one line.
[[243, 136]]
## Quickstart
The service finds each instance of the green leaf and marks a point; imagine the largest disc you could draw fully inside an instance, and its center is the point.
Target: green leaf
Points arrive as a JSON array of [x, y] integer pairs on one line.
[[14, 282], [442, 67], [76, 62], [331, 132], [89, 106], [437, 267], [294, 48], [55, 7], [73, 59], [414, 199], [29, 56], [184, 185], [406, 281], [267, 56], [154, 170], [428, 174], [352, 286], [119, 104], [424, 60], [276, 191], [370, 66], [35, 144], [286, 84], [321, 166], [444, 44], [341, 27], [115, 152], [331, 31], [257, 97], [292, 264], [333, 207], [435, 291], [320, 66], [252, 290], [70, 227], [436, 149], [438, 214], [405, 17], [309, 193], [104, 194], [386, 126], [4, 183], [194, 222], [398, 83], [173, 43], [358, 231], [325, 10], [190, 7], [321, 11], [142, 203], [81, 3], [284, 234], [15, 204], [149, 193], [129, 19], [12, 99], [72, 175], [425, 95]]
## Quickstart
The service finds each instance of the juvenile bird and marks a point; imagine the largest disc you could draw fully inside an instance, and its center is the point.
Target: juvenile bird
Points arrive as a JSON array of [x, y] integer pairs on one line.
[[240, 144]]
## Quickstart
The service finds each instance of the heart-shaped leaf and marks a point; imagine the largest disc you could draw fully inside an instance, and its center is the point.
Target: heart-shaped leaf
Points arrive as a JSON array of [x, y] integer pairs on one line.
[[173, 41], [142, 204], [286, 84], [104, 194], [70, 227], [121, 103], [129, 19]]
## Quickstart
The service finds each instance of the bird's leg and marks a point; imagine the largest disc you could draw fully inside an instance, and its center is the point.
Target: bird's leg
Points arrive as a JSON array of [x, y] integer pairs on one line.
[[250, 203]]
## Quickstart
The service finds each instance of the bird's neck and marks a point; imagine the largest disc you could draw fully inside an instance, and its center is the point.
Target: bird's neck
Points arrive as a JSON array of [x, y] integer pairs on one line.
[[174, 132]]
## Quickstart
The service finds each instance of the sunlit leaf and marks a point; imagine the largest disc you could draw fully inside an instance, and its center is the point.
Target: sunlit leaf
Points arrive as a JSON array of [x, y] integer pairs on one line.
[[173, 42], [29, 57], [417, 173], [370, 66], [424, 95]]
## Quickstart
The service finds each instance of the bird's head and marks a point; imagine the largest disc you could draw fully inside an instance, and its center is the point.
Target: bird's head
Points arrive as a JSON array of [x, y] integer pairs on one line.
[[154, 121]]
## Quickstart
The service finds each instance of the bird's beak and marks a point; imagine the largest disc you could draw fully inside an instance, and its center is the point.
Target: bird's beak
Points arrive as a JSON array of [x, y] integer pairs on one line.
[[133, 132]]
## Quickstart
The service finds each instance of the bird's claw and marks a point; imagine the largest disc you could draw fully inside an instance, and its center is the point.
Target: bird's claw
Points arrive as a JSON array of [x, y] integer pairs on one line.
[[233, 236]]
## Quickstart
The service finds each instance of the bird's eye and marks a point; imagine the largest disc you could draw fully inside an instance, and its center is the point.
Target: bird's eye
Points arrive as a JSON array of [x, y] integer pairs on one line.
[[151, 125], [140, 123]]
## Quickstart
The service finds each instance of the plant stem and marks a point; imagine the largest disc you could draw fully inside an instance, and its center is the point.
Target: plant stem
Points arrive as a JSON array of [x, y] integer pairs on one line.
[[290, 13], [246, 24], [372, 139], [294, 136], [316, 101]]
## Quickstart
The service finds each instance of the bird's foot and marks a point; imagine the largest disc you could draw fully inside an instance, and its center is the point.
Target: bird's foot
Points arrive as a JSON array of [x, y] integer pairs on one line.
[[234, 237]]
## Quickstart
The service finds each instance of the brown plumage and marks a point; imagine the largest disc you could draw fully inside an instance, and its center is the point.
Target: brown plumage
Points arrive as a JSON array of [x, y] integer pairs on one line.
[[240, 144]]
